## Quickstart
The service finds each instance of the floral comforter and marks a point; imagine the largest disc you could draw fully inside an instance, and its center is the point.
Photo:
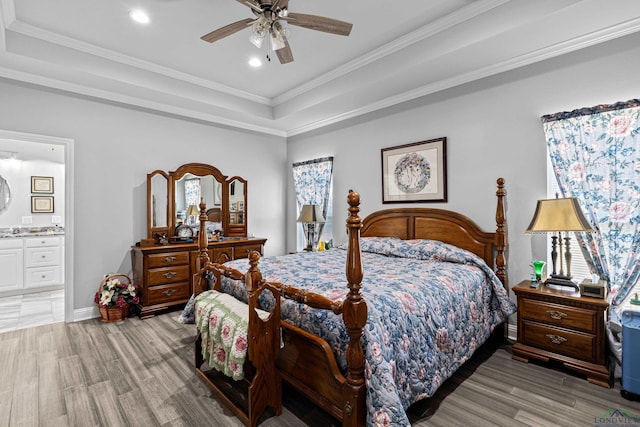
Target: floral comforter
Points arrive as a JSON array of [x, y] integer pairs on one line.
[[430, 306]]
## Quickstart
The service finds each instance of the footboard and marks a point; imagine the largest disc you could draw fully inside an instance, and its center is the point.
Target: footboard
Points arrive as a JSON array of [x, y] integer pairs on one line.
[[261, 388], [305, 361]]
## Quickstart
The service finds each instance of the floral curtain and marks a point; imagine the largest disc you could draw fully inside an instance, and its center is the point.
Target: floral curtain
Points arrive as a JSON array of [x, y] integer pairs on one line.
[[192, 192], [595, 153], [312, 182]]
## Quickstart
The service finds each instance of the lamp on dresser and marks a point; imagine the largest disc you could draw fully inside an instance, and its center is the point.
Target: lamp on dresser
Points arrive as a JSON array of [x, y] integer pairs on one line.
[[559, 216], [310, 216]]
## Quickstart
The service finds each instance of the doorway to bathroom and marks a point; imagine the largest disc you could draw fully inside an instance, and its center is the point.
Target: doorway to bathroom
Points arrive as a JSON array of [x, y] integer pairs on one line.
[[34, 225]]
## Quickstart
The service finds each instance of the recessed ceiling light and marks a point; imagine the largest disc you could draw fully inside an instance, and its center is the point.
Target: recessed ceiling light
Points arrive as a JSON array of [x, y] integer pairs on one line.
[[140, 16], [255, 62]]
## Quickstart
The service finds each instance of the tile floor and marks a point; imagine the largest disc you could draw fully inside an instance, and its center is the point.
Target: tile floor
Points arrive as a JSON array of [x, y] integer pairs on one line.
[[24, 311]]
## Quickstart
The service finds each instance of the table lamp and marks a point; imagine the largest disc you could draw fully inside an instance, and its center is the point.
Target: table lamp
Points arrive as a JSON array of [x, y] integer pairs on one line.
[[310, 216], [192, 214], [558, 216]]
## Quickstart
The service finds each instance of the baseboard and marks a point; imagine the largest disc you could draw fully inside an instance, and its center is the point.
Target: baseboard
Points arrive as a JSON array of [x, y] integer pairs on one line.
[[85, 313]]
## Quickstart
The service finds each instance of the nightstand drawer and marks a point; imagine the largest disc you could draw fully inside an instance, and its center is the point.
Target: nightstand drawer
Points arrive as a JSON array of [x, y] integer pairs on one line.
[[167, 259], [159, 276], [559, 315], [166, 293], [561, 341]]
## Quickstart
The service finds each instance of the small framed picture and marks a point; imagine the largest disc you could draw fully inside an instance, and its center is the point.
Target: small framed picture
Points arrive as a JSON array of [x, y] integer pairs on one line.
[[41, 204], [415, 172], [42, 184]]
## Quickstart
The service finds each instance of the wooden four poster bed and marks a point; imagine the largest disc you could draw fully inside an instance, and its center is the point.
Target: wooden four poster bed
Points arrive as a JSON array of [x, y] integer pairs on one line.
[[331, 370]]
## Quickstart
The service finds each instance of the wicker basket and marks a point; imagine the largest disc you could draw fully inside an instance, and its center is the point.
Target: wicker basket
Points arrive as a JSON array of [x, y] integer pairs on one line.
[[114, 314]]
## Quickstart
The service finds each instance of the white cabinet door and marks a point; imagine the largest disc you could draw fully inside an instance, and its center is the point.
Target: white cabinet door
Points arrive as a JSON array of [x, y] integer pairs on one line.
[[11, 265]]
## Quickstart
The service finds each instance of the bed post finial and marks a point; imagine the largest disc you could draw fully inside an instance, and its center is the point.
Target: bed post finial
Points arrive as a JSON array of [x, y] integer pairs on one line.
[[354, 307], [203, 258], [253, 276], [501, 234]]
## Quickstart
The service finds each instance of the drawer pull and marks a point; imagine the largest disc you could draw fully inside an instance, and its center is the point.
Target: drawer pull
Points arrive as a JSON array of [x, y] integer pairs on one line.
[[556, 339], [170, 259], [170, 274], [169, 292], [556, 315]]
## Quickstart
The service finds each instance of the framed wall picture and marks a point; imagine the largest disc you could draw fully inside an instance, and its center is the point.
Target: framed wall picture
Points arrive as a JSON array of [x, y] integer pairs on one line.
[[41, 204], [42, 184], [415, 172]]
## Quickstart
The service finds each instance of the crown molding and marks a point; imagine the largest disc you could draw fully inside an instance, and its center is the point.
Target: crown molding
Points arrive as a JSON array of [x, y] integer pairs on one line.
[[80, 46], [22, 76], [394, 46], [596, 37]]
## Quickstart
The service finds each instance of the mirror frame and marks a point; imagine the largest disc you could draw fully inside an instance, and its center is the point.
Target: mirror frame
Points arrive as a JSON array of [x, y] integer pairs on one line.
[[152, 232]]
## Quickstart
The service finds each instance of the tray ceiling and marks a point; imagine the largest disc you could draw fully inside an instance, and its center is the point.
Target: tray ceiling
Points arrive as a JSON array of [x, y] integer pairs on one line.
[[394, 54]]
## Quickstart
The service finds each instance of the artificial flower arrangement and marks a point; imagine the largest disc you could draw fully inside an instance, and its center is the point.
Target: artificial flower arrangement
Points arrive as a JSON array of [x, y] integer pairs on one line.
[[114, 292]]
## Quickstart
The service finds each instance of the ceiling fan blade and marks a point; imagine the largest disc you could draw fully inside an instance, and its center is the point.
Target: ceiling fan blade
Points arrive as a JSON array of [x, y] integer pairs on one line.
[[252, 4], [319, 23], [227, 30], [285, 55]]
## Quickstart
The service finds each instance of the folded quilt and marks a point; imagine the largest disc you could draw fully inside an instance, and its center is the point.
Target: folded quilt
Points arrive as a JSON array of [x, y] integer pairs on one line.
[[223, 322]]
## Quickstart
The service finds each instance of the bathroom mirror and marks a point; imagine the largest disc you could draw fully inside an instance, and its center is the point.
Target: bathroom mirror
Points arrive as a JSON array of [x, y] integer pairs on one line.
[[5, 193]]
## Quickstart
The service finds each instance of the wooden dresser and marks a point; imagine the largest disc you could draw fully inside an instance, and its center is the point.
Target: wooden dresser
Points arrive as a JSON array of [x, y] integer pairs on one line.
[[562, 326], [164, 273]]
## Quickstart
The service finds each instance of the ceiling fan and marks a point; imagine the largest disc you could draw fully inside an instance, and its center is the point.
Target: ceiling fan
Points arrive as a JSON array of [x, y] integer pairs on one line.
[[268, 22]]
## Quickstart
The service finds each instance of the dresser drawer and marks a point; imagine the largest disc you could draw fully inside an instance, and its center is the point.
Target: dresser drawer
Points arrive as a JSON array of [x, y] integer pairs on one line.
[[221, 255], [166, 259], [160, 276], [242, 251], [167, 293], [561, 341]]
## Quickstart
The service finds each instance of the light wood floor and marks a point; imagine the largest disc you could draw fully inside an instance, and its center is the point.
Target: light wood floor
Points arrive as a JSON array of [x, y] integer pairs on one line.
[[140, 373]]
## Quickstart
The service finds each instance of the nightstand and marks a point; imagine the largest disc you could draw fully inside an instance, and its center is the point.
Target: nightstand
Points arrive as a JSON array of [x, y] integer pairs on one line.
[[562, 326]]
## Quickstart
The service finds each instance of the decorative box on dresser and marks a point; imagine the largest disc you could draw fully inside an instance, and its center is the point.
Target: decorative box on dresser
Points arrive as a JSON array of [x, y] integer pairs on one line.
[[164, 273], [562, 326]]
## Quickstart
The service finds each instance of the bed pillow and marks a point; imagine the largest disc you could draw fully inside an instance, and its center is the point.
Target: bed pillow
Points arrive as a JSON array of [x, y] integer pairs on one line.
[[380, 245]]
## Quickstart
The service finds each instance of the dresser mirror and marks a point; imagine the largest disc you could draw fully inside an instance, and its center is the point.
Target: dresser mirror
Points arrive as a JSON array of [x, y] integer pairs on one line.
[[158, 203], [184, 188], [236, 201]]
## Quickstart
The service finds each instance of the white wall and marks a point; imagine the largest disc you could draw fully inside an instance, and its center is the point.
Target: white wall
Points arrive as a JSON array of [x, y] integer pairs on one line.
[[115, 147], [493, 130], [18, 174]]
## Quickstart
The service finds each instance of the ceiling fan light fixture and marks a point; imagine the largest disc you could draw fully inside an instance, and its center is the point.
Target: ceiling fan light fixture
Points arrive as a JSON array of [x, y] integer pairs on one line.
[[277, 42], [258, 33], [277, 39]]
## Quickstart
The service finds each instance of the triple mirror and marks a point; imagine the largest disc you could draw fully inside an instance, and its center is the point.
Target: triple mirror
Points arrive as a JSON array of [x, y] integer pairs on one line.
[[173, 201]]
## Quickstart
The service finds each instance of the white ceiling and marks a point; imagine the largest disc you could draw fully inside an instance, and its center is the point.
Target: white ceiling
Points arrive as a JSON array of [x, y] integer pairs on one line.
[[397, 51]]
